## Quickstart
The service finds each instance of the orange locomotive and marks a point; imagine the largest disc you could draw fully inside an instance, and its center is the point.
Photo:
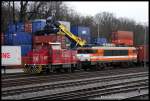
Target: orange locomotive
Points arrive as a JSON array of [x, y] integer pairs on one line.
[[99, 57]]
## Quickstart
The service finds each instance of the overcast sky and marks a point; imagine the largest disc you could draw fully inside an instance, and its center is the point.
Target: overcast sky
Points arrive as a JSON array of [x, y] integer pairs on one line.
[[137, 11]]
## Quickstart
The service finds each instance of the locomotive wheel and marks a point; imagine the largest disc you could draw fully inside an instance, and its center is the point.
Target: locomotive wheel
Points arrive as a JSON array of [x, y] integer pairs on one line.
[[72, 70], [27, 69], [33, 69], [39, 68]]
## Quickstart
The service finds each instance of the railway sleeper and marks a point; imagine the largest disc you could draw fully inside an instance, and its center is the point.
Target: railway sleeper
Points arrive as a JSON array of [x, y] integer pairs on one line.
[[90, 91]]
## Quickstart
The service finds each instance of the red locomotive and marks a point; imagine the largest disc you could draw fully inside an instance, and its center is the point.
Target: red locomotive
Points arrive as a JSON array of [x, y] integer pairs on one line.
[[51, 59]]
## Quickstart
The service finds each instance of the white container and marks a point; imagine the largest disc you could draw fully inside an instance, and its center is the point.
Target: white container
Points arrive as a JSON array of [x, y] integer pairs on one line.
[[11, 55]]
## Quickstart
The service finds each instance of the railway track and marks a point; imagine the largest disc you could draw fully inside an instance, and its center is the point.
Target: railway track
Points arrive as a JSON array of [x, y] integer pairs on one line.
[[81, 88], [60, 77], [24, 75], [92, 93]]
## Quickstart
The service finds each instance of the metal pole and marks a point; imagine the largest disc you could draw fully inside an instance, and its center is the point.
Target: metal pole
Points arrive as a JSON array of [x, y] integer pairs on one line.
[[145, 46], [98, 29]]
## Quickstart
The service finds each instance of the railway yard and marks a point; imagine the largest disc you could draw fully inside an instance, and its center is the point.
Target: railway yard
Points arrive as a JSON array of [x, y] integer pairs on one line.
[[54, 56], [120, 83]]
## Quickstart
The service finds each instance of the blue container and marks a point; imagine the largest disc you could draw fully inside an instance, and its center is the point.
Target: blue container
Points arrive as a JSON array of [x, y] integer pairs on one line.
[[25, 49], [8, 38], [20, 27], [18, 38], [82, 32], [100, 41], [38, 25], [11, 28]]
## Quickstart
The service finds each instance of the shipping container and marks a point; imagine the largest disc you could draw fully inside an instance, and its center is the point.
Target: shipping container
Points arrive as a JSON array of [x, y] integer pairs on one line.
[[11, 28], [82, 32], [8, 38], [100, 41], [125, 34], [20, 27], [25, 49], [38, 25], [28, 27], [11, 55], [125, 42], [18, 38], [122, 38]]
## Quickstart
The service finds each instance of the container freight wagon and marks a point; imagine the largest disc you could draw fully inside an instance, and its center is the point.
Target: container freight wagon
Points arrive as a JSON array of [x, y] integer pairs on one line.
[[50, 59], [122, 38]]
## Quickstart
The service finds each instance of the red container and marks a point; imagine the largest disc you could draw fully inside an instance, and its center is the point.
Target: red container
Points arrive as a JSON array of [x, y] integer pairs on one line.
[[141, 50], [28, 27], [125, 35], [123, 42], [44, 39], [122, 38]]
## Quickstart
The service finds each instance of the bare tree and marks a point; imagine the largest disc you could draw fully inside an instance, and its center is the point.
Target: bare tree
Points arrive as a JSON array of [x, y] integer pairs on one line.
[[106, 24], [23, 10]]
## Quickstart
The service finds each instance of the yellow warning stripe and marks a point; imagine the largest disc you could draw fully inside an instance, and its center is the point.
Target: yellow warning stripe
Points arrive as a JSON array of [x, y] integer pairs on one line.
[[34, 69]]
